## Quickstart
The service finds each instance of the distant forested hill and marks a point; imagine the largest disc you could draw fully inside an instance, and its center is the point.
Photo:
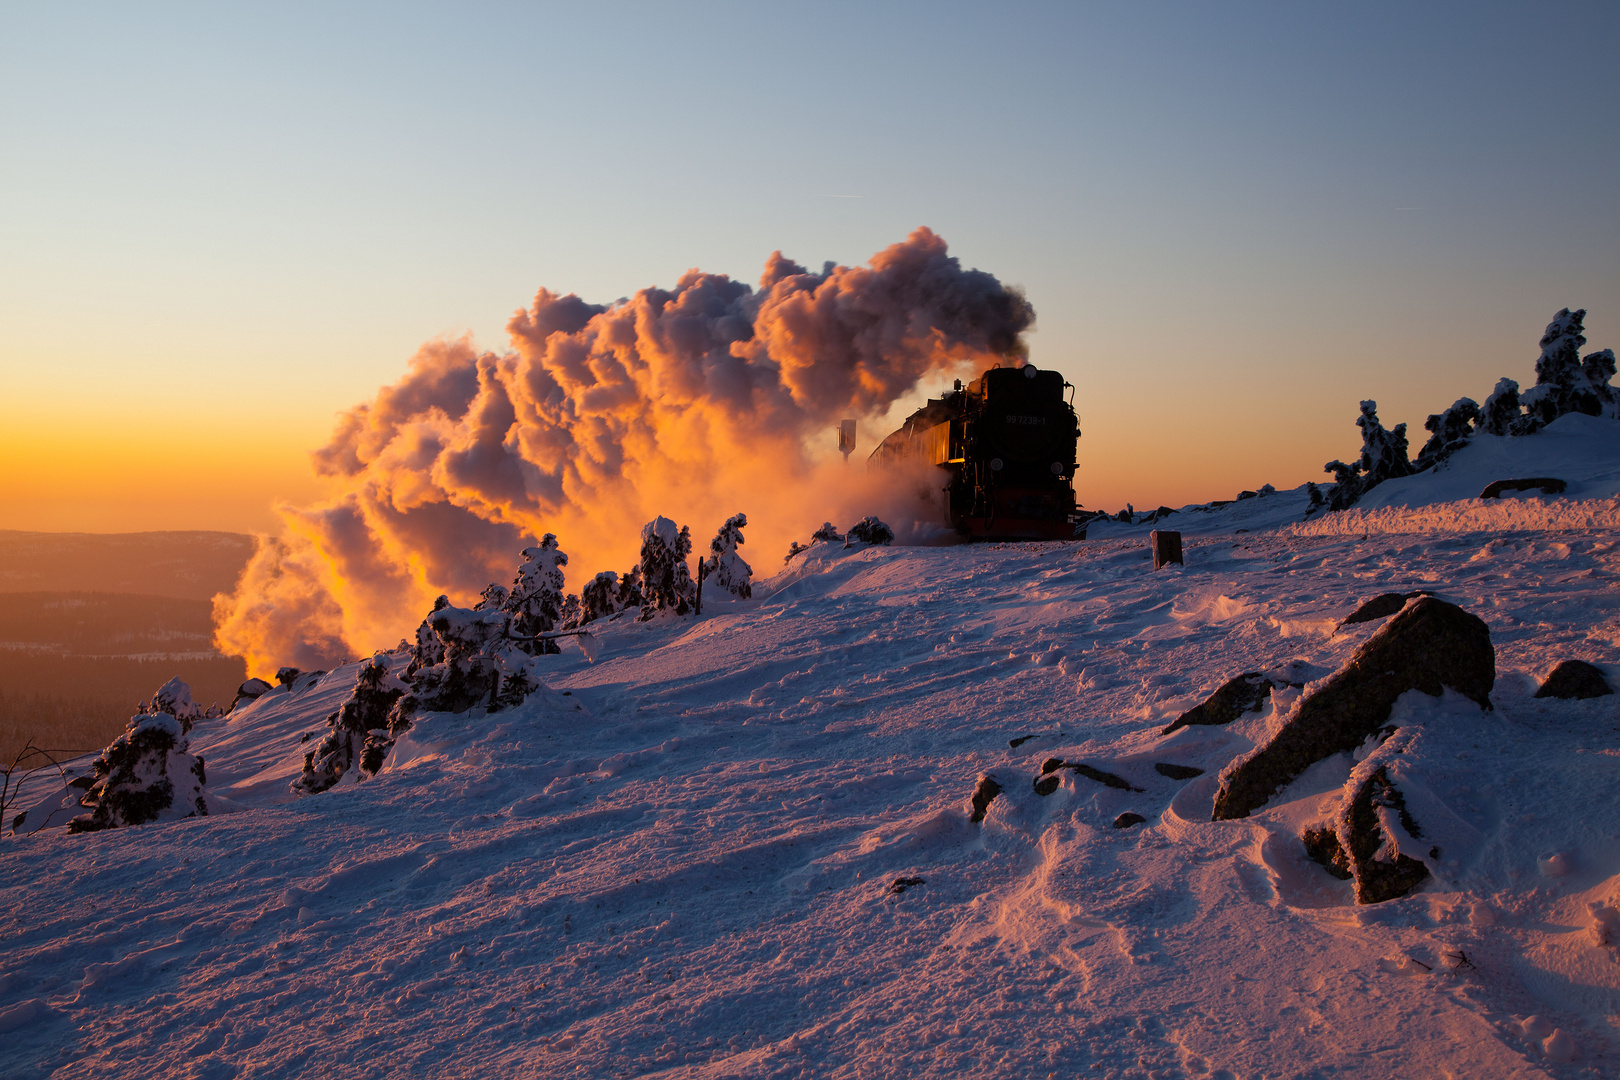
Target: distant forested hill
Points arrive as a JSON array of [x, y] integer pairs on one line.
[[91, 624], [187, 565]]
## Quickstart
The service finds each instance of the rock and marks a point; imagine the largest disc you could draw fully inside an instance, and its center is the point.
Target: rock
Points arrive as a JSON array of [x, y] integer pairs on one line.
[[901, 884], [1048, 781], [286, 675], [1575, 679], [1127, 819], [1176, 772], [1382, 606], [1020, 741], [1246, 693], [250, 691], [989, 787], [1103, 777], [1547, 484], [1372, 826], [1428, 646]]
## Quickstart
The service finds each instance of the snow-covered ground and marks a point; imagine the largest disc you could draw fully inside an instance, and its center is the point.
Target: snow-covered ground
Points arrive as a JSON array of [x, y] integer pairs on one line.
[[681, 860]]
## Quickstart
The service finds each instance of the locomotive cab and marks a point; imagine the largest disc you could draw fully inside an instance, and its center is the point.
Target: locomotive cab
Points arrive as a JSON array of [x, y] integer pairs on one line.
[[1005, 450]]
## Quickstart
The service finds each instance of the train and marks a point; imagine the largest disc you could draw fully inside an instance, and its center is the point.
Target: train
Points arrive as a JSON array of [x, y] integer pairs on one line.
[[1004, 448]]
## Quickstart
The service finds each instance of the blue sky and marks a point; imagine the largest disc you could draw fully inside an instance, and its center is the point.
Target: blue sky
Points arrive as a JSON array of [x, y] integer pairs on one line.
[[1235, 221]]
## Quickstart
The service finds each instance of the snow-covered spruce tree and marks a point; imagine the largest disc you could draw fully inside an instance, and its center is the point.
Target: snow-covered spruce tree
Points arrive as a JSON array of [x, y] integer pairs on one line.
[[1385, 454], [724, 568], [352, 728], [1501, 413], [1347, 484], [794, 548], [1449, 432], [174, 698], [537, 594], [869, 530], [600, 598], [482, 666], [666, 582], [146, 774], [1313, 495], [1565, 383], [494, 598], [630, 589], [428, 649], [826, 534], [569, 613]]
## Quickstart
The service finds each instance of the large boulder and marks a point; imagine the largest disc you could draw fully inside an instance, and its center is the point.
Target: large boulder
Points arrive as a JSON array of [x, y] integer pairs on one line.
[[1575, 679], [1429, 645]]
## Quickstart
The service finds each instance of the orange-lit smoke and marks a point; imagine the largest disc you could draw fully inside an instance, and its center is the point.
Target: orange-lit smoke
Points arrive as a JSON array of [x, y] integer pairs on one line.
[[695, 402]]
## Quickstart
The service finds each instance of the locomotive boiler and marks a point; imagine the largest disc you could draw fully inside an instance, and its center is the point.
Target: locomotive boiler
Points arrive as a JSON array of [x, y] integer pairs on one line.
[[999, 454]]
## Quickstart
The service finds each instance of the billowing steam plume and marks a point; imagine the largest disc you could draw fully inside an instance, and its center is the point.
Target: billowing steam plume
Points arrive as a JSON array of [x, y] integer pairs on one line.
[[694, 402]]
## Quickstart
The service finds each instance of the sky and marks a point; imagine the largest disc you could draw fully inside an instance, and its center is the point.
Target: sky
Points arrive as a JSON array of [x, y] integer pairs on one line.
[[221, 226]]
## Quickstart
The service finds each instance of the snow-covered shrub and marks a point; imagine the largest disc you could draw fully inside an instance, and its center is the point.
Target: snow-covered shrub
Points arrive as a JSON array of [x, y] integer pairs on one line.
[[1314, 495], [478, 657], [600, 598], [1127, 515], [145, 775], [869, 530], [1501, 412], [1449, 432], [1267, 489], [537, 594], [493, 598], [352, 738], [1565, 383], [724, 567], [826, 534], [794, 548], [666, 582]]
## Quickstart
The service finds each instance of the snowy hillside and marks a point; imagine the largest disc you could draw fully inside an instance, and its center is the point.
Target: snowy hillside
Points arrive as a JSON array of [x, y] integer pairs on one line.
[[740, 845]]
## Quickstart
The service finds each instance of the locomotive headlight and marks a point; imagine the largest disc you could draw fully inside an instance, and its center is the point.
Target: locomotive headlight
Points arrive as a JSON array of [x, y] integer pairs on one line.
[[1057, 468], [995, 464], [1029, 371]]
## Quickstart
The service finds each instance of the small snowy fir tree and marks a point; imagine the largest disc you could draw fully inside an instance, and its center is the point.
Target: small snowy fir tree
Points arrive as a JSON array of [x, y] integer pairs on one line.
[[493, 598], [428, 649], [537, 594], [1384, 453], [600, 598], [353, 730], [724, 568], [1347, 485], [826, 535], [147, 774], [1313, 496], [794, 548], [630, 589], [1565, 383], [1448, 432], [869, 530], [1501, 413], [666, 581], [568, 615]]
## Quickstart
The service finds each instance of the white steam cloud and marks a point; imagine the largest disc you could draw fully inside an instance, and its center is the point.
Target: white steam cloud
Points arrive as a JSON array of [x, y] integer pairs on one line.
[[694, 402]]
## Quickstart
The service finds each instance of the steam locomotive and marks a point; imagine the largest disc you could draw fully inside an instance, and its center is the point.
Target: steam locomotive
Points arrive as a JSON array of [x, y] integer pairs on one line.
[[1004, 448]]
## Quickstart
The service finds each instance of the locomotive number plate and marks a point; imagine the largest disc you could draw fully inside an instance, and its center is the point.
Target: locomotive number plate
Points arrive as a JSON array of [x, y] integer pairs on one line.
[[1028, 420]]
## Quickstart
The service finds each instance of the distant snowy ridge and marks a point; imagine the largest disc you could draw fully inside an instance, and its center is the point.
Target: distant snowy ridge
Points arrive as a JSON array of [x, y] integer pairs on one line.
[[1472, 515]]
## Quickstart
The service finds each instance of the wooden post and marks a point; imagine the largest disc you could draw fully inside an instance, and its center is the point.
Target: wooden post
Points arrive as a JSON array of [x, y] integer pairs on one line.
[[1166, 547]]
